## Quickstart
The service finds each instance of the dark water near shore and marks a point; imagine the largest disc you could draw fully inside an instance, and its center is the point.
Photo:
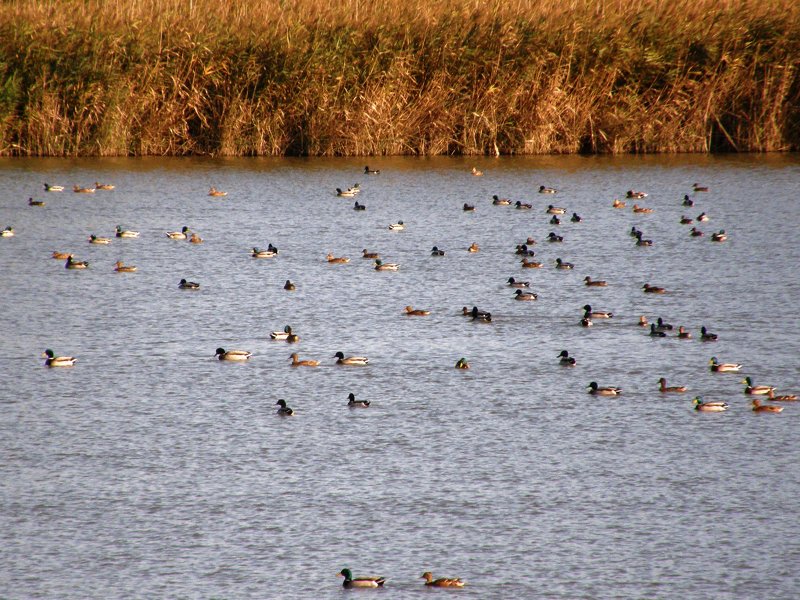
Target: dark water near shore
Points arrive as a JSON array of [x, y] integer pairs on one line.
[[152, 470]]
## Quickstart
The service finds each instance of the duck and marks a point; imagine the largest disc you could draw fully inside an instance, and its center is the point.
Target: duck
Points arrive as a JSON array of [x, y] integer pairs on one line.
[[530, 264], [518, 284], [641, 209], [555, 210], [358, 206], [336, 259], [462, 363], [75, 264], [520, 295], [683, 334], [687, 201], [758, 407], [232, 355], [699, 188], [476, 173], [442, 581], [686, 220], [399, 226], [782, 398], [720, 236], [178, 235], [411, 312], [119, 267], [718, 367], [702, 218], [566, 360], [32, 202], [635, 195], [695, 232], [382, 266], [283, 410], [709, 406], [560, 264], [468, 207], [282, 335], [523, 249], [522, 206], [436, 252], [82, 190], [497, 201], [361, 582], [103, 186], [368, 171], [596, 314], [618, 203], [642, 242], [480, 315], [473, 248], [635, 232], [586, 322], [529, 241], [195, 239], [661, 325], [93, 239], [302, 363], [552, 237], [188, 285], [653, 289], [289, 286], [57, 361], [259, 253], [603, 391], [53, 188], [61, 255], [707, 336], [126, 233], [353, 403], [756, 390], [348, 193], [370, 255], [589, 282], [655, 332], [217, 193], [7, 232], [678, 389], [543, 189], [357, 361], [554, 220], [642, 321], [576, 218]]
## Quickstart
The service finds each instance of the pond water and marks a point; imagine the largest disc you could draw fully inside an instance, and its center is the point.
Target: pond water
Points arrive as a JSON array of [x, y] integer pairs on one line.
[[150, 469]]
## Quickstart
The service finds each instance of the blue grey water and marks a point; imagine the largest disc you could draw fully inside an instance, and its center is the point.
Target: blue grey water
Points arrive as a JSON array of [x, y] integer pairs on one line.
[[153, 470]]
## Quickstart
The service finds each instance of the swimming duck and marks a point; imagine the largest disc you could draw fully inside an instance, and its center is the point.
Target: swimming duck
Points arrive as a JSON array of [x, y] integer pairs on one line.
[[555, 210], [119, 267], [436, 252], [653, 289], [468, 207], [547, 190], [178, 235], [643, 242], [699, 188], [655, 332], [497, 201], [61, 255], [195, 239], [362, 582], [348, 193], [103, 186], [53, 188], [554, 220], [75, 264], [358, 206], [586, 322], [283, 411], [522, 206], [756, 390], [462, 364], [566, 360], [758, 407], [709, 406], [702, 218], [399, 226], [679, 389], [721, 236], [259, 253], [529, 241], [618, 203], [661, 325], [695, 232], [560, 264], [641, 209], [687, 201], [232, 355], [518, 284], [357, 361], [520, 295], [717, 367], [7, 232], [576, 218], [596, 314], [282, 335], [289, 286], [353, 403], [473, 247], [523, 249], [686, 220], [215, 192], [382, 266], [368, 171], [642, 321], [336, 259], [603, 391], [683, 334], [635, 232], [589, 282], [476, 172], [32, 202], [411, 312], [82, 190], [302, 363], [782, 398], [706, 335], [371, 255], [188, 285], [480, 315], [126, 233], [57, 361], [552, 237], [635, 195], [442, 581], [530, 264], [93, 239]]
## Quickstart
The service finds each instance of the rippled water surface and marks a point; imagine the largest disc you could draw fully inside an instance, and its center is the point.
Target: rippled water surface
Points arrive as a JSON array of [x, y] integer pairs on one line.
[[152, 470]]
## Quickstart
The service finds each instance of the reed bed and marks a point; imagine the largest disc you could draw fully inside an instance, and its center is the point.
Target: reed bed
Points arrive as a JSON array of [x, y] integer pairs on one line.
[[304, 77]]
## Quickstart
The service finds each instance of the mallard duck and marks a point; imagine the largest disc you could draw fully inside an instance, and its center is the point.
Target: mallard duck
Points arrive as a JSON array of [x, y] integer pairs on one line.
[[603, 391], [518, 284], [720, 236], [662, 325], [82, 190], [411, 312], [103, 186], [178, 235], [282, 335], [361, 582], [575, 218], [642, 321], [468, 207], [686, 220], [289, 286], [195, 239], [32, 202], [707, 336], [655, 332], [283, 410], [497, 201], [702, 218], [555, 220], [462, 363], [480, 315], [370, 255], [683, 334], [53, 188], [353, 403], [641, 209], [476, 173], [596, 314], [57, 361], [531, 264], [368, 171], [75, 264], [695, 232], [358, 206], [61, 255], [618, 203], [699, 188], [560, 264], [635, 195], [302, 363], [718, 367], [635, 232], [215, 192], [679, 389], [522, 249], [555, 210], [653, 289], [93, 239], [522, 206], [336, 259], [473, 247], [758, 407], [552, 237], [126, 233], [586, 322], [348, 193], [357, 361], [442, 581], [7, 232], [520, 295], [399, 226], [119, 267], [687, 201], [709, 406], [436, 252], [589, 282], [782, 398], [543, 189], [233, 355], [643, 242], [566, 360], [259, 253], [188, 285], [756, 390], [382, 266]]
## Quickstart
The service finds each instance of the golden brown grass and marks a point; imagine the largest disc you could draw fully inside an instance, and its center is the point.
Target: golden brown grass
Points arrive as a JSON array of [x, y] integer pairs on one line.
[[354, 77]]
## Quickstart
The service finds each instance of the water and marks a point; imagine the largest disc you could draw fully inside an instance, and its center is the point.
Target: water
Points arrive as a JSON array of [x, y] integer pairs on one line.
[[152, 470]]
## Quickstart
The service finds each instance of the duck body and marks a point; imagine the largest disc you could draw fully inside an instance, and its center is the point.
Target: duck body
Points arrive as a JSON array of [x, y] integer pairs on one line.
[[195, 239], [595, 390], [7, 232], [653, 289], [560, 264], [289, 286], [103, 186], [435, 251], [53, 188], [411, 312], [552, 237], [75, 264], [661, 325], [525, 296], [178, 235], [756, 390], [543, 189], [555, 220], [640, 241], [565, 360], [636, 195], [706, 335], [702, 218], [232, 355], [589, 282], [282, 335], [497, 201], [695, 232], [353, 403], [522, 206], [119, 267], [720, 236], [618, 203], [699, 188], [358, 206], [717, 367], [765, 408], [576, 218], [462, 363], [655, 332], [399, 226], [360, 582], [468, 207], [348, 193], [641, 209], [664, 389], [444, 582], [530, 264], [336, 259], [480, 315], [370, 255], [188, 285], [104, 241], [82, 190], [686, 220], [687, 201], [683, 334], [283, 410], [476, 173], [701, 406], [61, 255], [126, 233], [32, 202], [555, 210], [518, 284], [596, 314], [368, 171], [216, 193], [356, 361], [51, 360], [302, 363], [473, 247], [259, 253], [382, 266]]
